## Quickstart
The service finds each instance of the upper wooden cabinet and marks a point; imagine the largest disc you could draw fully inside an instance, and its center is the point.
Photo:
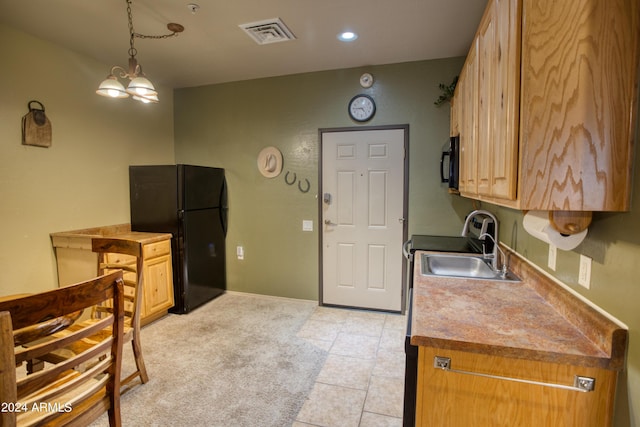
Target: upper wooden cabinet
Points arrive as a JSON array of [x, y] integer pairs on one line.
[[551, 120], [466, 99]]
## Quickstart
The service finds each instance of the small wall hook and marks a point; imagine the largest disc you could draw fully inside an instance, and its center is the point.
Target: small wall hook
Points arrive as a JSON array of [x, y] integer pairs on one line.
[[306, 190], [286, 178]]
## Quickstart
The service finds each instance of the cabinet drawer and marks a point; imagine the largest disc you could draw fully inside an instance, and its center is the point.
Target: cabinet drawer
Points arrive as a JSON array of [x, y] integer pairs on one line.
[[493, 401], [153, 250]]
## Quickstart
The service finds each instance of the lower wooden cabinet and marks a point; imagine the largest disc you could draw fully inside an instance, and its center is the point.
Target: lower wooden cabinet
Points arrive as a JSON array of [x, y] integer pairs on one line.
[[76, 262], [158, 278], [453, 399]]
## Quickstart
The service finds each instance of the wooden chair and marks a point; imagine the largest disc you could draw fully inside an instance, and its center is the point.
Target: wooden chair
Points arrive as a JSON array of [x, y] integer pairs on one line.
[[74, 392], [131, 265], [133, 290]]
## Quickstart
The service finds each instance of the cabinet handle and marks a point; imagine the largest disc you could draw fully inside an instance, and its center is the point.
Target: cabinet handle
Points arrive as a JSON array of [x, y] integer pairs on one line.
[[580, 383]]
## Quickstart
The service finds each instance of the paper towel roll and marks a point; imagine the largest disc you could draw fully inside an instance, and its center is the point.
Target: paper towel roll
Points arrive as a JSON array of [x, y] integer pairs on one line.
[[537, 224]]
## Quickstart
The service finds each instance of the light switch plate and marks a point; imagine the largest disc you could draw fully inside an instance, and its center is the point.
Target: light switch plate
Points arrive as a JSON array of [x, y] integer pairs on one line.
[[240, 252], [584, 275], [307, 225], [553, 252]]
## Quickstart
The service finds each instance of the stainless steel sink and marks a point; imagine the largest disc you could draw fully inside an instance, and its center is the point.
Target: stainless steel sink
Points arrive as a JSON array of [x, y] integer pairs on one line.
[[466, 266]]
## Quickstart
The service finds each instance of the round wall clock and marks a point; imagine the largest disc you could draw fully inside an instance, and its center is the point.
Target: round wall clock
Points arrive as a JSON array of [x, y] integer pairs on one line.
[[362, 108]]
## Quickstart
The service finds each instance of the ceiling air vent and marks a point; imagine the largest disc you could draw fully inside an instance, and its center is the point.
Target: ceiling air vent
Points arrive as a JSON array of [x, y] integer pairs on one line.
[[268, 31]]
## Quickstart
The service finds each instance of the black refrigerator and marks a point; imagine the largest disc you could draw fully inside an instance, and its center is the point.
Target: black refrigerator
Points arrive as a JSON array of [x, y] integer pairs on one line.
[[190, 202]]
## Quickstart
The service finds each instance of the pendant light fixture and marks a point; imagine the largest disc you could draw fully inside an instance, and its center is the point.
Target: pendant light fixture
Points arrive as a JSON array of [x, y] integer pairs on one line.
[[139, 87]]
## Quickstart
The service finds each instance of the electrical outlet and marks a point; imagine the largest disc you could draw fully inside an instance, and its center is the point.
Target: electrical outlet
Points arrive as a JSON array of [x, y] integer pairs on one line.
[[240, 252], [584, 275], [553, 252]]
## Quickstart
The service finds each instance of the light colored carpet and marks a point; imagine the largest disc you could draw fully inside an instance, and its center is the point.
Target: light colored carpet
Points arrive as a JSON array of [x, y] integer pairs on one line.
[[235, 361]]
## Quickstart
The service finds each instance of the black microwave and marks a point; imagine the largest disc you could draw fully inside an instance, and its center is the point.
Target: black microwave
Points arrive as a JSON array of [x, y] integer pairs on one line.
[[450, 162]]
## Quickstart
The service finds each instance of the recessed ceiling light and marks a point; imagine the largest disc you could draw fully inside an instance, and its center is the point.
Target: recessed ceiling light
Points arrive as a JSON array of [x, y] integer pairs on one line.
[[347, 36]]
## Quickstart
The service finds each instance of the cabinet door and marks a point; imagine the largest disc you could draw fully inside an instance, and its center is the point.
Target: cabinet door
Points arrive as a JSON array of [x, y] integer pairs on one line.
[[454, 127], [498, 88], [505, 89], [489, 153], [158, 285], [459, 400], [468, 161], [579, 86], [486, 103]]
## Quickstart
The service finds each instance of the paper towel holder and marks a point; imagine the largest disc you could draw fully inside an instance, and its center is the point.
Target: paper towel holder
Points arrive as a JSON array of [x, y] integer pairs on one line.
[[570, 222]]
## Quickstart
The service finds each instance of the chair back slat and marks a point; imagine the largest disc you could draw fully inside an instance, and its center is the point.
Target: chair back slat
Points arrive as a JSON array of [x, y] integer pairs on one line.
[[30, 333], [31, 309], [77, 390], [42, 389], [39, 349]]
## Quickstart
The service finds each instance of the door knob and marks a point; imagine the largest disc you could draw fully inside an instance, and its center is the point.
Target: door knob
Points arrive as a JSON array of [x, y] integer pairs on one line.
[[328, 222]]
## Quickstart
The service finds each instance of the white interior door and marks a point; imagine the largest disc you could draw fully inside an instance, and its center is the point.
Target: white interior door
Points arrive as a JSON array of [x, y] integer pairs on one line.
[[363, 218]]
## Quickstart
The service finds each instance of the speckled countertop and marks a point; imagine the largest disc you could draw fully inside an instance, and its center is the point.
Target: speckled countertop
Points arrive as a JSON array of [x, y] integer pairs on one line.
[[533, 319], [119, 231], [142, 237]]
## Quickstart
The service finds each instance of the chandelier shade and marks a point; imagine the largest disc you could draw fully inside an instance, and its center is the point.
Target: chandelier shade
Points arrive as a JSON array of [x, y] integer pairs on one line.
[[112, 88], [141, 86]]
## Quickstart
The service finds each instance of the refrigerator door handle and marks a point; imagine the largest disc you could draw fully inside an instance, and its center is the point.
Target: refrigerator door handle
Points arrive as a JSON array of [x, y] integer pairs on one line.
[[223, 219], [222, 203], [222, 197]]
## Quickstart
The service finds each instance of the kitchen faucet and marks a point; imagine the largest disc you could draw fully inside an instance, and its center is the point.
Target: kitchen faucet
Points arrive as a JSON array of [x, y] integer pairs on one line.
[[494, 255]]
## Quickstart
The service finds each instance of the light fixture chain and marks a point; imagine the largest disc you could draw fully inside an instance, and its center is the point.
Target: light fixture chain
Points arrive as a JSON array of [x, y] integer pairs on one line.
[[164, 36], [132, 49], [140, 87], [133, 34], [143, 36]]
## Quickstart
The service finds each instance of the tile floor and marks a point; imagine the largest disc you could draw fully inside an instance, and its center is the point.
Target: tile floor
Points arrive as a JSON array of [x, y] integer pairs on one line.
[[361, 383]]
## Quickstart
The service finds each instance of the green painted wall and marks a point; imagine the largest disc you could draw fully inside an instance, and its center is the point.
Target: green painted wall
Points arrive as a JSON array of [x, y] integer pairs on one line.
[[82, 180], [227, 125]]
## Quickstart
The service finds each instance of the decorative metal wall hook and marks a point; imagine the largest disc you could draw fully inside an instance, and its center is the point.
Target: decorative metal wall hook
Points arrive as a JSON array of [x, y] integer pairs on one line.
[[286, 178], [303, 188], [308, 186]]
